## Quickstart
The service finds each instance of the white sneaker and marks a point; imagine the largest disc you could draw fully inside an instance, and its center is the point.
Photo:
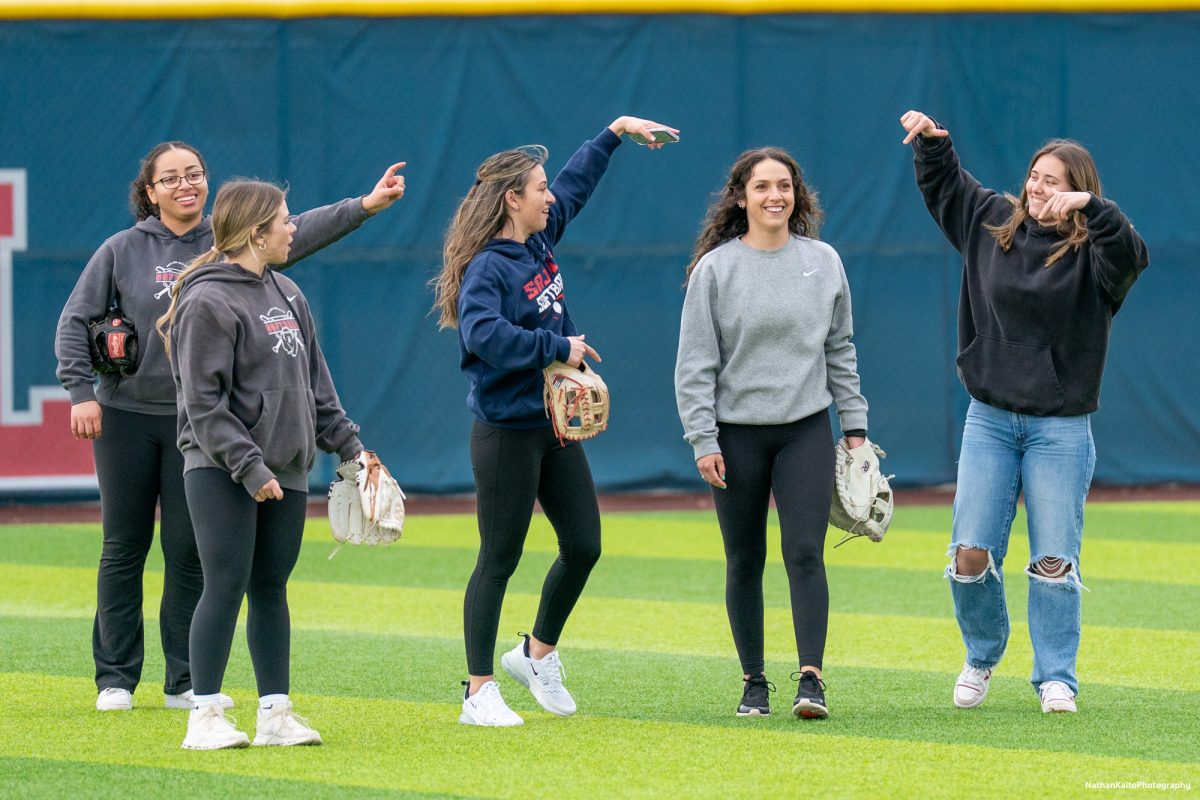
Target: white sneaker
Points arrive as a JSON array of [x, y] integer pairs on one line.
[[487, 707], [543, 677], [184, 700], [209, 730], [971, 686], [280, 726], [113, 699], [1057, 696]]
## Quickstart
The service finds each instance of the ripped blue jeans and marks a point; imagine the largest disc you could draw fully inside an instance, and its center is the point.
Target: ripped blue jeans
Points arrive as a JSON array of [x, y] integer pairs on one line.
[[1051, 459]]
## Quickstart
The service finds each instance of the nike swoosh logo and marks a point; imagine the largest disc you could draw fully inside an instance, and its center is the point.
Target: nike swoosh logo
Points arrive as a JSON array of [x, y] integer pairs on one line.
[[810, 272], [290, 299]]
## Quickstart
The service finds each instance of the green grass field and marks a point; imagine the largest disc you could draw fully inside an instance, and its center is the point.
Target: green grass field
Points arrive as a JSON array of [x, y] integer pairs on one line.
[[377, 658]]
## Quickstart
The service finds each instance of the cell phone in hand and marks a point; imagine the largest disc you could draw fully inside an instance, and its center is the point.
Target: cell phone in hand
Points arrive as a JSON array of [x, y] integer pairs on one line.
[[661, 136]]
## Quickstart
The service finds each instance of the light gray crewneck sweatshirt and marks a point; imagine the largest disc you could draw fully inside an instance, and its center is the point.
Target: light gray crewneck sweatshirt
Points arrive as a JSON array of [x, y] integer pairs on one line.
[[765, 339]]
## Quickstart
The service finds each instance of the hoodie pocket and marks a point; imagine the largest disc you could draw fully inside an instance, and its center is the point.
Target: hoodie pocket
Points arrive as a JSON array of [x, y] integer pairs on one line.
[[1017, 377], [286, 432]]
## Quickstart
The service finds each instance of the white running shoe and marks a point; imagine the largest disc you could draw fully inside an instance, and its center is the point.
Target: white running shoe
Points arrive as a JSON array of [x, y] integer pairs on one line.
[[1057, 696], [184, 700], [209, 730], [280, 726], [113, 699], [487, 707], [543, 677], [972, 686]]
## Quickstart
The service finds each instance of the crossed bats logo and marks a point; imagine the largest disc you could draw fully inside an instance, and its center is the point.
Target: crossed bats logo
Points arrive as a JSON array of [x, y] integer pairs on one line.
[[166, 277], [283, 326]]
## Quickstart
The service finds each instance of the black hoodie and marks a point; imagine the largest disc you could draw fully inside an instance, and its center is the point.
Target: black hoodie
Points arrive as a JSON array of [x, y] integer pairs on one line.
[[1031, 339], [254, 391]]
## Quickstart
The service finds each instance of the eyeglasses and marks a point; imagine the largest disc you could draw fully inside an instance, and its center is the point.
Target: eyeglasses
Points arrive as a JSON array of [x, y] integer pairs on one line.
[[172, 181]]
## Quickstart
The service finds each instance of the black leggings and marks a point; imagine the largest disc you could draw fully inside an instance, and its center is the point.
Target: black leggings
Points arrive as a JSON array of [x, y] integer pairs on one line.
[[795, 462], [139, 467], [248, 549], [512, 468]]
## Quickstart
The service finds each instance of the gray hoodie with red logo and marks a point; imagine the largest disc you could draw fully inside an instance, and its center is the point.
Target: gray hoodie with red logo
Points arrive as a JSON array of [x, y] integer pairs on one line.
[[254, 392], [141, 265]]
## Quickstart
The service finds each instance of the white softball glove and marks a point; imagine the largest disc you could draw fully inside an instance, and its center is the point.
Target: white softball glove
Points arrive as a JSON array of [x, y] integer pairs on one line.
[[366, 505], [862, 498]]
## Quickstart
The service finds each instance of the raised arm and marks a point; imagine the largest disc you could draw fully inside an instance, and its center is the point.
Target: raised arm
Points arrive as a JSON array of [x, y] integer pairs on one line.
[[952, 194], [318, 228], [578, 178]]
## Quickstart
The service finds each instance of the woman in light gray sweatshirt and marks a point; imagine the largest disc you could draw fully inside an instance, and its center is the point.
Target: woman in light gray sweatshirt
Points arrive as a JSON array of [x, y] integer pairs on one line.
[[764, 349], [255, 401], [130, 417]]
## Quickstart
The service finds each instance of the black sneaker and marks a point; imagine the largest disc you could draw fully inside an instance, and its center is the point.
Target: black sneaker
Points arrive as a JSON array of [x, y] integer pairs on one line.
[[810, 697], [756, 701]]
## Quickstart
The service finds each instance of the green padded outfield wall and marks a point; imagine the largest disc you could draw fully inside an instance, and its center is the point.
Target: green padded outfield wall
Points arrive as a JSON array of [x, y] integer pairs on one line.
[[326, 103]]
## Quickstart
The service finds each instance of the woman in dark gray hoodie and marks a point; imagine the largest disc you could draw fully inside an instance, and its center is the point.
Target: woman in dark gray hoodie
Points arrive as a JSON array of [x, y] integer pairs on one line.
[[255, 400], [137, 462]]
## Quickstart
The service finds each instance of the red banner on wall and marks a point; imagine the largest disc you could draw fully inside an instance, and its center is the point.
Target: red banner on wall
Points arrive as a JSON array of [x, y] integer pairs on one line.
[[37, 451]]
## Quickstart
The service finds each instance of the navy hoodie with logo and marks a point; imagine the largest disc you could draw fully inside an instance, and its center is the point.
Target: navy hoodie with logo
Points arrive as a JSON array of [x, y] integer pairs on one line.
[[142, 264], [512, 307], [255, 394]]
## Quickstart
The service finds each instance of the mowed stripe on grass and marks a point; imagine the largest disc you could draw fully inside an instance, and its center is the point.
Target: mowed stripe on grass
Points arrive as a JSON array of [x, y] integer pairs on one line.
[[1149, 658], [583, 756], [1134, 558]]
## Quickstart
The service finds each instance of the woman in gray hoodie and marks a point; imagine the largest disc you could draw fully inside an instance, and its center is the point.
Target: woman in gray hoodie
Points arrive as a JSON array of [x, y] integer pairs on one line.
[[255, 401], [764, 349], [137, 462]]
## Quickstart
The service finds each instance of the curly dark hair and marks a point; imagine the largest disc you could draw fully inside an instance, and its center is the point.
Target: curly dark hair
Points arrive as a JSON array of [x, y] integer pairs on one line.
[[726, 220], [139, 203]]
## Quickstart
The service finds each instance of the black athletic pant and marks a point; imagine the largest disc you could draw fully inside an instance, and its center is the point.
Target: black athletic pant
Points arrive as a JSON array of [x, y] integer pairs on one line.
[[139, 467], [512, 468], [248, 550], [794, 462]]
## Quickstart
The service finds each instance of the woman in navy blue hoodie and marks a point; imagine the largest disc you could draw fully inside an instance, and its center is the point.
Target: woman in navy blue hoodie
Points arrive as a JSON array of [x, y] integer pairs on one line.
[[501, 287], [1043, 276]]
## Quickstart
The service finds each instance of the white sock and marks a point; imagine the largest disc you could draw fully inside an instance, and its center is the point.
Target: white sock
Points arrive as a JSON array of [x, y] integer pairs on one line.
[[201, 700], [267, 700]]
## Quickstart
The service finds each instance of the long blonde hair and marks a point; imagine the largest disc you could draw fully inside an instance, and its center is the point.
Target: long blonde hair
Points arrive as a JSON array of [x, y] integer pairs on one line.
[[480, 216], [1083, 177], [243, 208]]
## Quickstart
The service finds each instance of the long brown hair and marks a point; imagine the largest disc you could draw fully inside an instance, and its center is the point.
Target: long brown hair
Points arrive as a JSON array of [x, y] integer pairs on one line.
[[727, 220], [243, 208], [1083, 177], [480, 216], [139, 202]]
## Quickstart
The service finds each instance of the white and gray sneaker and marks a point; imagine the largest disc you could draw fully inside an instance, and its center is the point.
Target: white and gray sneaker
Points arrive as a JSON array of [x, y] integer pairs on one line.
[[487, 707], [209, 730], [543, 677], [114, 699], [1057, 696], [184, 700], [972, 686], [280, 726]]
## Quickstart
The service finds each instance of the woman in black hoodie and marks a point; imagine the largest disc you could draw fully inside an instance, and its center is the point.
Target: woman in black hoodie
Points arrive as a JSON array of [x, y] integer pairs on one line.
[[255, 400], [137, 463], [1043, 276]]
